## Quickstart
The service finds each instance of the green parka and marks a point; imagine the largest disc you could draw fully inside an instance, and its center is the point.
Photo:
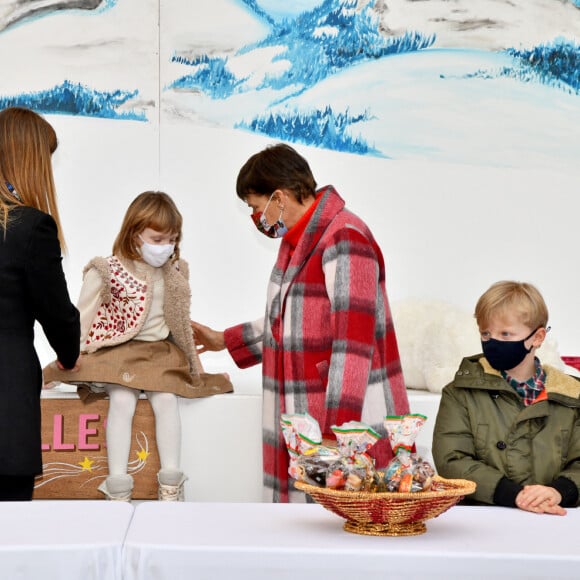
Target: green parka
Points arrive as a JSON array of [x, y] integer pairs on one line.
[[484, 433]]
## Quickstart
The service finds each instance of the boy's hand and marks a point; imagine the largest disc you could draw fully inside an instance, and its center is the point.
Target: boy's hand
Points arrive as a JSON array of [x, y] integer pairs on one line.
[[540, 499]]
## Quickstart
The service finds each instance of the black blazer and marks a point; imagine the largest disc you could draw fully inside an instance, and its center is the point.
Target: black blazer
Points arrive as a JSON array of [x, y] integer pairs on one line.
[[32, 288]]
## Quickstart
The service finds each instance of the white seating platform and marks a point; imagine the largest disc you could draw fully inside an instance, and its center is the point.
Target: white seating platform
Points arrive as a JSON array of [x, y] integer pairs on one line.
[[222, 442]]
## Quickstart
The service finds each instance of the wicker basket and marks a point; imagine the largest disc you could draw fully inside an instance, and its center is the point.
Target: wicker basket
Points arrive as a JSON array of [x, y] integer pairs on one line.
[[390, 513]]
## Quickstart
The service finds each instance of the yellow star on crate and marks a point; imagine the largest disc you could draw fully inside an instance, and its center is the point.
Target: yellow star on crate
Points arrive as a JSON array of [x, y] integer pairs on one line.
[[86, 464], [142, 454]]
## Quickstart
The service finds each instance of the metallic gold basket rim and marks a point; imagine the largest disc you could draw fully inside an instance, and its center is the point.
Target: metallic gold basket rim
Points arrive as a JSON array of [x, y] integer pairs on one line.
[[453, 487]]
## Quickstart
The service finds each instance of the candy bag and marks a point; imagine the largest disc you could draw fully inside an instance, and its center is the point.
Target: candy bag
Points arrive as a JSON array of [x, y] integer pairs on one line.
[[406, 472], [315, 465], [355, 471], [309, 459]]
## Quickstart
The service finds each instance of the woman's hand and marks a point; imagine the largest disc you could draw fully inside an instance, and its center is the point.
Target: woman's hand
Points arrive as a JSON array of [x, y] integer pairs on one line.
[[73, 370], [206, 338], [540, 499]]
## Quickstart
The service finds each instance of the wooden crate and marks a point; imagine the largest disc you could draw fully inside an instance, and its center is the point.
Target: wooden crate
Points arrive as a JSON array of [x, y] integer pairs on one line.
[[74, 450]]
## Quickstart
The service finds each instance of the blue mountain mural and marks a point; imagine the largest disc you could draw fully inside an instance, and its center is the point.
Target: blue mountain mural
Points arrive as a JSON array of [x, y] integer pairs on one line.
[[67, 97], [332, 38], [319, 43], [555, 64], [76, 99], [330, 75], [325, 128]]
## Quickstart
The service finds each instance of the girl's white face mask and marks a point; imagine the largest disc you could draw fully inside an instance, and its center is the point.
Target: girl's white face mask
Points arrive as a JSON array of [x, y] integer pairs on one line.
[[156, 254]]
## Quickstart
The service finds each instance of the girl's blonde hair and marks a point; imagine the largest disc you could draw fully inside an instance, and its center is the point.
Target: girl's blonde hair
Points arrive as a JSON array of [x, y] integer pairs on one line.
[[27, 142], [150, 209], [518, 299]]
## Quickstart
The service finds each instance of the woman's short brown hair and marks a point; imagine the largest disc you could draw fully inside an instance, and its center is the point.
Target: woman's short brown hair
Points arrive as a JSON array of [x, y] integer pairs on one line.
[[150, 209], [518, 299], [276, 167]]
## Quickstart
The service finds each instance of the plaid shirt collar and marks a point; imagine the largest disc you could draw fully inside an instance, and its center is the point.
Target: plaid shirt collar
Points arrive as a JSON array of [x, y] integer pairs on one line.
[[531, 389]]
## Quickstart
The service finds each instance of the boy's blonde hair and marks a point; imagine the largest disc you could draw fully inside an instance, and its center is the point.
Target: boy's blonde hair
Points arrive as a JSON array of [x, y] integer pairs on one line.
[[150, 209], [518, 299]]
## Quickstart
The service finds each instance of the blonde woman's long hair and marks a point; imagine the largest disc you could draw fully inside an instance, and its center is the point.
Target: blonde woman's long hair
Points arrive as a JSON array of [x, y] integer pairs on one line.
[[27, 142]]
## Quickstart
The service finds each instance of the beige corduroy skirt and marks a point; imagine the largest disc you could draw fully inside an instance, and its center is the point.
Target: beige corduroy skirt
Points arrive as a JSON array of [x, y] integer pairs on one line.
[[148, 366]]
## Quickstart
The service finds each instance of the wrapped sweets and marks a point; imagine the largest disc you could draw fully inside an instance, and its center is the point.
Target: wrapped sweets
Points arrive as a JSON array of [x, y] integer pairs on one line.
[[301, 432], [406, 472], [315, 466], [309, 459], [355, 471]]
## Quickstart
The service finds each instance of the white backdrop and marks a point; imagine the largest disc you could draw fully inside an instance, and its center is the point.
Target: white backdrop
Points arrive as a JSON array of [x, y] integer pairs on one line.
[[447, 231]]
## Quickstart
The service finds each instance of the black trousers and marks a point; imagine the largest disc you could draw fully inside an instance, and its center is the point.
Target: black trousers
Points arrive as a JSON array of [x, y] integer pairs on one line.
[[16, 487]]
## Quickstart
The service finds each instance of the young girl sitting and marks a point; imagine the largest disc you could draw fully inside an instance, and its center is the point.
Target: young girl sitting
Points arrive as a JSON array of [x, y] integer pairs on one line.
[[136, 336]]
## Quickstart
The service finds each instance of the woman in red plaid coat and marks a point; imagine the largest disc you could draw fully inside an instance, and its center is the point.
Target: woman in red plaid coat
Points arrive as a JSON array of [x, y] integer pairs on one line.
[[327, 343]]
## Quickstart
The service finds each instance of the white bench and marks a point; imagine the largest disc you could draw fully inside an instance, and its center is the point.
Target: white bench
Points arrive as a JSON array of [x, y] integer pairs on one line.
[[221, 449], [222, 444]]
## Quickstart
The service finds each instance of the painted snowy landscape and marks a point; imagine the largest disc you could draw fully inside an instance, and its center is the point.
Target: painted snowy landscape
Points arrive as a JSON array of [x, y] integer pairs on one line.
[[94, 58], [470, 81], [449, 126]]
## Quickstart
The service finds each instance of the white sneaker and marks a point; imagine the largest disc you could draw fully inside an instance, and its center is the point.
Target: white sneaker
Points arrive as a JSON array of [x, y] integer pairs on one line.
[[117, 487], [171, 485]]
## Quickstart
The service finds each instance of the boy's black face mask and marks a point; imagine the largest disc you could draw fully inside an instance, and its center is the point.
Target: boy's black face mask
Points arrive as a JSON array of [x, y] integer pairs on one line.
[[504, 355]]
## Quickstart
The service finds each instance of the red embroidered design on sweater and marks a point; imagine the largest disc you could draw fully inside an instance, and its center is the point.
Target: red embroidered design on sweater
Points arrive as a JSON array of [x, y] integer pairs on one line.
[[123, 313]]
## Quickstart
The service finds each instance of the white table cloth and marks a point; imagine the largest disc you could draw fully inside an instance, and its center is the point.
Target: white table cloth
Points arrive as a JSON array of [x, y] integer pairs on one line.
[[202, 541], [63, 540]]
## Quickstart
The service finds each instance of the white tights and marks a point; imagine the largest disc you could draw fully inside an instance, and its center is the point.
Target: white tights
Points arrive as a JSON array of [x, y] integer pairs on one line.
[[122, 404]]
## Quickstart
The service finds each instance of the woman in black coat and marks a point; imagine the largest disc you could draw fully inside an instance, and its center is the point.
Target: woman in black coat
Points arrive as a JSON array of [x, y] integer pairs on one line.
[[32, 288]]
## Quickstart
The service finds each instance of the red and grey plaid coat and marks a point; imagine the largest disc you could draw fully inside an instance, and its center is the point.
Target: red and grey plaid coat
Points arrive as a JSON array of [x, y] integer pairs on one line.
[[327, 343]]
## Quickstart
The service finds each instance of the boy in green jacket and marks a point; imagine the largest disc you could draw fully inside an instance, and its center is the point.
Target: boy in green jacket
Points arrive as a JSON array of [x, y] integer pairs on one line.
[[507, 422]]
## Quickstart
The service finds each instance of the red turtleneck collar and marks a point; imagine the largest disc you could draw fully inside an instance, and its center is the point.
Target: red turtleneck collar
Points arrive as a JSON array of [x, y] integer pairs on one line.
[[295, 232]]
